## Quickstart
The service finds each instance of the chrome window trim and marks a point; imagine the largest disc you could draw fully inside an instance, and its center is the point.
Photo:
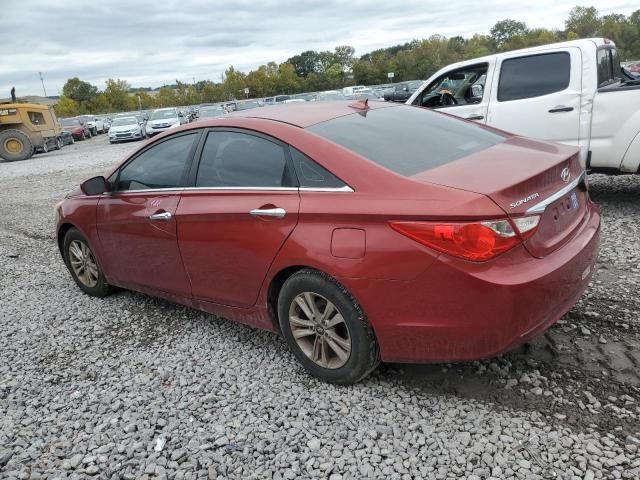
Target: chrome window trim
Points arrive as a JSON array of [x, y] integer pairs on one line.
[[541, 206], [345, 189]]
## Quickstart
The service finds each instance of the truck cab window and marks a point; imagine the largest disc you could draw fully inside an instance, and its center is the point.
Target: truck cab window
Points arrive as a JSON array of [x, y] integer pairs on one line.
[[459, 87]]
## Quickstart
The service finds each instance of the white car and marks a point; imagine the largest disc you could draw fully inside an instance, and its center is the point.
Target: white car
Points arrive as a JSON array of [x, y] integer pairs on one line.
[[126, 128], [572, 92], [161, 120]]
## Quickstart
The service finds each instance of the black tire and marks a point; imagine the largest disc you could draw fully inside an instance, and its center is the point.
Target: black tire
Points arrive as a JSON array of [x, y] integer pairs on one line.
[[21, 146], [101, 288], [364, 356], [45, 147], [59, 143], [84, 135]]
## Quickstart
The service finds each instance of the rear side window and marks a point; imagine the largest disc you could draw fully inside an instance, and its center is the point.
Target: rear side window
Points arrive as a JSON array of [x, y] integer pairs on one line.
[[534, 76], [234, 159], [407, 140], [312, 175]]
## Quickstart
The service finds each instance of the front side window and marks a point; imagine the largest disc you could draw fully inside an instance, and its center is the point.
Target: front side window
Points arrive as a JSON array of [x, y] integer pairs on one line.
[[36, 118], [234, 159], [161, 166], [609, 70], [464, 86], [534, 76]]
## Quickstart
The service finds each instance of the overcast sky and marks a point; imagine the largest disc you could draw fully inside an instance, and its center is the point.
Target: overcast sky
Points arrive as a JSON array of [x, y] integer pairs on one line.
[[151, 43]]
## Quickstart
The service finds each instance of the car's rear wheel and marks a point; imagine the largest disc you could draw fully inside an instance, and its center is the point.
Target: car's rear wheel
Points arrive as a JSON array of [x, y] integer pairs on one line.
[[326, 329], [83, 265], [59, 143], [15, 145]]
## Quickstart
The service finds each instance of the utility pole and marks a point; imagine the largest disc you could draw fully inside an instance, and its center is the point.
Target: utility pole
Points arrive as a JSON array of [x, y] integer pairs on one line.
[[42, 80]]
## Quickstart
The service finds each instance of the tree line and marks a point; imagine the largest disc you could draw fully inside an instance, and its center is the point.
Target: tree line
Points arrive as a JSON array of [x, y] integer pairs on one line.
[[312, 71]]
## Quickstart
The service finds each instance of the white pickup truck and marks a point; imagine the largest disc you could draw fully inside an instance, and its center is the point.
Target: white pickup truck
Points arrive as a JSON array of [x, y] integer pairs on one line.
[[572, 92]]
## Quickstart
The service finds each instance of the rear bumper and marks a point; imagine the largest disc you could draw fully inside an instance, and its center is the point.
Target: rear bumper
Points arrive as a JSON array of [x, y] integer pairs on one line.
[[458, 310]]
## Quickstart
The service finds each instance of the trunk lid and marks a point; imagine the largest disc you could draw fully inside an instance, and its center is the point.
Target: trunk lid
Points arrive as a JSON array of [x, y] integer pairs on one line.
[[520, 174]]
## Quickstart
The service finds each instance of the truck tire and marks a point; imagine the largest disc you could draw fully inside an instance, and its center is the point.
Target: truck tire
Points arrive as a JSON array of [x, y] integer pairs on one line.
[[15, 145]]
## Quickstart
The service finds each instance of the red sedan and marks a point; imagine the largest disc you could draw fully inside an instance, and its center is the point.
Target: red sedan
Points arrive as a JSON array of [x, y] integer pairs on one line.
[[362, 232]]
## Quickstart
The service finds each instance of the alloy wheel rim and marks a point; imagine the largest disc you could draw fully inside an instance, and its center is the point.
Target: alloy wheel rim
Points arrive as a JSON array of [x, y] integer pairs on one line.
[[83, 263], [320, 330]]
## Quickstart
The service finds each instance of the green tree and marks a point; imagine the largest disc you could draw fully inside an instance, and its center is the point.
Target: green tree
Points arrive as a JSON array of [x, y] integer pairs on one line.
[[78, 90], [583, 21], [505, 30], [305, 63], [166, 97], [66, 107], [117, 96]]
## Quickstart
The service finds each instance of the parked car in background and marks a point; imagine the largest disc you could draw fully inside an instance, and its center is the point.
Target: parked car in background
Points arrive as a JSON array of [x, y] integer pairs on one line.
[[330, 95], [572, 92], [248, 104], [67, 138], [403, 91], [95, 124], [355, 89], [213, 111], [161, 120], [305, 219], [78, 129], [127, 128]]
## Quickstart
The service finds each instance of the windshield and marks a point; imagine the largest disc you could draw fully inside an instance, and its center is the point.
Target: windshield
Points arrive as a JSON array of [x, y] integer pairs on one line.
[[161, 114], [121, 121], [211, 112], [69, 122], [422, 139]]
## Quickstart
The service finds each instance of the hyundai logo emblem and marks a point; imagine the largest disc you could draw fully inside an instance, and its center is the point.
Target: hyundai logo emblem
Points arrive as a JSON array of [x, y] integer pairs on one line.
[[565, 174]]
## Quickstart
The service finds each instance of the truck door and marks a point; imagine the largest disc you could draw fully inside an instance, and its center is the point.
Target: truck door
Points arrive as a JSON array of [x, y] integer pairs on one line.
[[538, 94]]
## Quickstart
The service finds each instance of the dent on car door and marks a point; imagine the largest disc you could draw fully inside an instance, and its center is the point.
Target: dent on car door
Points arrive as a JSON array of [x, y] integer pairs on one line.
[[136, 222], [241, 211]]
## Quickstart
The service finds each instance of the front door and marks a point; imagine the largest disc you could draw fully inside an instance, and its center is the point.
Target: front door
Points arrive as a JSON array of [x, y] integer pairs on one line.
[[137, 223], [538, 95], [233, 223]]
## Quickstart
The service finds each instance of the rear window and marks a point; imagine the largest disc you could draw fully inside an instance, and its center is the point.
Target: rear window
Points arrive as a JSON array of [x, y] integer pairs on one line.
[[608, 66], [407, 140], [534, 76]]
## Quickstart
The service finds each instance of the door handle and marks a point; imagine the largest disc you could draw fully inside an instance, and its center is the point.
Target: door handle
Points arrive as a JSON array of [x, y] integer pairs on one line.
[[160, 216], [561, 109], [268, 212], [475, 117]]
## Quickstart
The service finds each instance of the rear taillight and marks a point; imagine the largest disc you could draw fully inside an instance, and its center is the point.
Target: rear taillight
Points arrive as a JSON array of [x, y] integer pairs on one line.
[[477, 241]]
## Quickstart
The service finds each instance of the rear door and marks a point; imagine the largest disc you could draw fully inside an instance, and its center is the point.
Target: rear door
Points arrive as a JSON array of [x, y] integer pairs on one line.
[[234, 221], [538, 95]]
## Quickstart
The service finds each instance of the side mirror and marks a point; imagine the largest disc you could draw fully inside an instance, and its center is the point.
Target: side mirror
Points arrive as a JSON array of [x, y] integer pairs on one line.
[[477, 90], [94, 186]]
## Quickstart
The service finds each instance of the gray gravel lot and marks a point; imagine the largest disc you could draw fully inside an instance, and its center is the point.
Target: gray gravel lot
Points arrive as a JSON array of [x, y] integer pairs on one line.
[[134, 387]]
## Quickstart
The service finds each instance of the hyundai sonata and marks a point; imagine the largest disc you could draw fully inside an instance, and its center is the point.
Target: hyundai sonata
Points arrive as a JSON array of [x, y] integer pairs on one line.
[[363, 232]]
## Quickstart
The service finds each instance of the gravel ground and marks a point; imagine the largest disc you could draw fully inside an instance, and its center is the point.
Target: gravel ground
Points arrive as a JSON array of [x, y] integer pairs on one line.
[[134, 387]]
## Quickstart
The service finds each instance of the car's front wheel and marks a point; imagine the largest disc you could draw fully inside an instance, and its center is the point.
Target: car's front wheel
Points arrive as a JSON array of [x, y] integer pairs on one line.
[[83, 265], [326, 329]]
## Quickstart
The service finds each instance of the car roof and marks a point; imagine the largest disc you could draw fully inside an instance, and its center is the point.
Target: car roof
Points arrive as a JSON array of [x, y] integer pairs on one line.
[[305, 114]]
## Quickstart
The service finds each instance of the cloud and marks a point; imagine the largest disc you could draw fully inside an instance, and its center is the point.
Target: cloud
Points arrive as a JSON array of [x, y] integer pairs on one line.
[[154, 43]]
